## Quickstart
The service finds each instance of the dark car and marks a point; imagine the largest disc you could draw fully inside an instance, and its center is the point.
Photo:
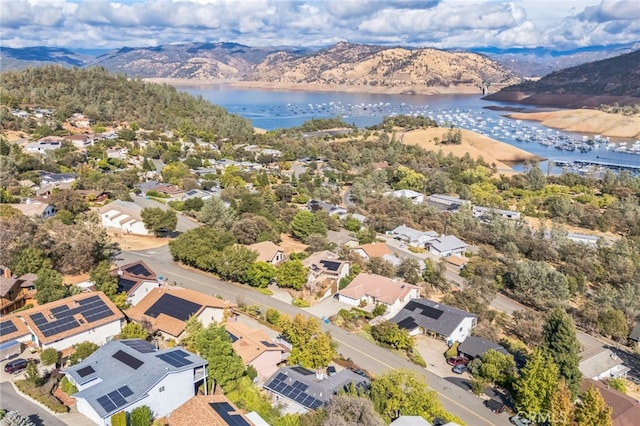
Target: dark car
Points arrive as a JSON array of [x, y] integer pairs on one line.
[[458, 360], [15, 365], [459, 369], [494, 405]]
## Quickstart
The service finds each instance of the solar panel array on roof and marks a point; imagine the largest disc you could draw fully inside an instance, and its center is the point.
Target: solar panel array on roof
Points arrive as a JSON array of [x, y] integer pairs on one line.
[[140, 345], [224, 410], [295, 391], [116, 399], [302, 370], [84, 372], [7, 327], [430, 312], [175, 358], [127, 359], [173, 306], [192, 192], [268, 344], [139, 270], [124, 285], [408, 323], [92, 309], [330, 265]]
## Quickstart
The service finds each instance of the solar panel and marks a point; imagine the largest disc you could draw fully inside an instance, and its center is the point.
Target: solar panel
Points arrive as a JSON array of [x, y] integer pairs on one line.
[[224, 410], [125, 391], [128, 360], [59, 309], [83, 372], [124, 284], [7, 327], [176, 358], [330, 265], [232, 337], [431, 312], [303, 371], [408, 323], [173, 306], [141, 346], [268, 344], [116, 399], [62, 318], [106, 403], [281, 376], [139, 270]]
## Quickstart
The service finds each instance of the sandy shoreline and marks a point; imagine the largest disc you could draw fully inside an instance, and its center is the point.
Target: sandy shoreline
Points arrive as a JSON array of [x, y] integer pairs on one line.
[[586, 121]]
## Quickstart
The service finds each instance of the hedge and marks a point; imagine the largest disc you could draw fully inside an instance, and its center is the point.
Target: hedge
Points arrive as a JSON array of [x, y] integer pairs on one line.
[[44, 398]]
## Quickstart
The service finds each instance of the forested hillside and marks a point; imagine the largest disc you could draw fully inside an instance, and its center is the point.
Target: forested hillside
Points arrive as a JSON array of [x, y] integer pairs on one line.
[[110, 98]]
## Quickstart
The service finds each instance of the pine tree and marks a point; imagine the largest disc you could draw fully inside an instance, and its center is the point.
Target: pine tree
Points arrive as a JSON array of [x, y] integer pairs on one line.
[[559, 339], [561, 406], [537, 383], [593, 409]]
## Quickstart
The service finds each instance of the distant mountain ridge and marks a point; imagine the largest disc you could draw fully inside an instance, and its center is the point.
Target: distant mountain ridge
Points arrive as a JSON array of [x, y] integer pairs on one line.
[[612, 80]]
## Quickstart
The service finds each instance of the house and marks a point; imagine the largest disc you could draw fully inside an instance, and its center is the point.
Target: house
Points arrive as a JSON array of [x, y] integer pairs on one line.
[[117, 153], [412, 236], [136, 279], [42, 146], [80, 141], [447, 200], [485, 213], [216, 409], [196, 193], [634, 336], [14, 334], [317, 205], [303, 390], [79, 120], [84, 317], [268, 252], [414, 196], [256, 348], [56, 179], [626, 410], [474, 347], [324, 266], [427, 316], [410, 421], [456, 261], [126, 374], [447, 245], [589, 240], [165, 310], [15, 291], [374, 289], [35, 209], [123, 216], [342, 238], [602, 364], [367, 251]]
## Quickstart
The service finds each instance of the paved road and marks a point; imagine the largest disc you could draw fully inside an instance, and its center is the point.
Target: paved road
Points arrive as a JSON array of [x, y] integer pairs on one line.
[[184, 223], [15, 402], [455, 396]]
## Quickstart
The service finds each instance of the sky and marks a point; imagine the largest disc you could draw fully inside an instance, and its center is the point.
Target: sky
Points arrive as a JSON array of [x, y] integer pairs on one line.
[[445, 24]]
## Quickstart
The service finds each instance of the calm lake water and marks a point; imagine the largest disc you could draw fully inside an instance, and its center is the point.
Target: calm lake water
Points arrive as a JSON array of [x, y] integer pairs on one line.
[[272, 109]]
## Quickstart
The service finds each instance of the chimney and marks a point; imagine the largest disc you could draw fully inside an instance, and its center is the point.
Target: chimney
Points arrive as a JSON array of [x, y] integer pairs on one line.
[[7, 273], [319, 375]]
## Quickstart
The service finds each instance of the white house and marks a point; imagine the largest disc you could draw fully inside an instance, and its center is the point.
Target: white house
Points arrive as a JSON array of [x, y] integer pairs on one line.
[[480, 212], [414, 196], [374, 289], [126, 374], [268, 252], [447, 200], [137, 280], [13, 335], [412, 236], [447, 245], [123, 216], [84, 317], [42, 146], [603, 364], [427, 316], [35, 209]]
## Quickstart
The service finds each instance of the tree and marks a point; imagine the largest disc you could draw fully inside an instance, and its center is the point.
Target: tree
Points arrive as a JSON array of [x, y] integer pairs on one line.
[[49, 356], [494, 367], [158, 220], [174, 172], [388, 333], [82, 351], [537, 383], [234, 262], [134, 331], [260, 274], [346, 410], [14, 418], [311, 347], [593, 410], [199, 247], [538, 284], [252, 229], [214, 344], [30, 259], [103, 280], [292, 274], [409, 270], [403, 392], [559, 339], [66, 199], [612, 322], [561, 405], [32, 375], [305, 223], [141, 416], [50, 286], [215, 214]]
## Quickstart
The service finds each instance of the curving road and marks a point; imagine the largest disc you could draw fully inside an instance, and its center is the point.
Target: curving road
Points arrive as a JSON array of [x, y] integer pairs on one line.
[[454, 394]]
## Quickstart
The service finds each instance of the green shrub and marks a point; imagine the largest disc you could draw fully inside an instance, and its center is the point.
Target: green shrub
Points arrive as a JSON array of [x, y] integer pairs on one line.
[[119, 419], [157, 194], [265, 291], [41, 395], [67, 387], [477, 386], [141, 416], [301, 303], [49, 356], [380, 309], [417, 359], [617, 383], [177, 205], [272, 316], [452, 351]]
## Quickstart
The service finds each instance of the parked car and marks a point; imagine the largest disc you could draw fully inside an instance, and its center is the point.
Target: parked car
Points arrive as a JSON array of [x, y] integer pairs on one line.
[[459, 369], [520, 421], [458, 360], [494, 405], [15, 365]]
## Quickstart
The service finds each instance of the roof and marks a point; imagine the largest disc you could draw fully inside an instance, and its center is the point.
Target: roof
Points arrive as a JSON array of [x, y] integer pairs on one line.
[[381, 288], [249, 343], [167, 309], [266, 250], [406, 193], [131, 275], [413, 234], [125, 370], [456, 260], [491, 210], [447, 198], [31, 209], [446, 243], [70, 316], [302, 386], [599, 363], [315, 205], [475, 346], [635, 333], [6, 284], [430, 315], [375, 249], [123, 207], [626, 410], [201, 407], [12, 327], [324, 262], [410, 421], [340, 238]]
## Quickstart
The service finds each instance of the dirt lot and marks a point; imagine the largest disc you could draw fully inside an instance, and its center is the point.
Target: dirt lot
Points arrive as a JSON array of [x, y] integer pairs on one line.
[[137, 242], [289, 245]]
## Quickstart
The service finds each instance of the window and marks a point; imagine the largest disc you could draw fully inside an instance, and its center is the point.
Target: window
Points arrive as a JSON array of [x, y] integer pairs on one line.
[[161, 389]]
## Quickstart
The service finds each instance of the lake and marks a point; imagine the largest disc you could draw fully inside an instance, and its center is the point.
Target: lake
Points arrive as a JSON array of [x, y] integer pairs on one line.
[[272, 109]]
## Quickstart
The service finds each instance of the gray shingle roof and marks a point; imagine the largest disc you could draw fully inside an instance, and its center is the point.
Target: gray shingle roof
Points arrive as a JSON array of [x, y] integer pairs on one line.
[[431, 316], [475, 346], [635, 333], [113, 373]]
